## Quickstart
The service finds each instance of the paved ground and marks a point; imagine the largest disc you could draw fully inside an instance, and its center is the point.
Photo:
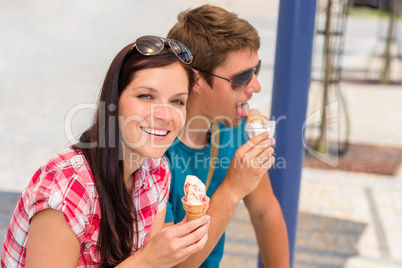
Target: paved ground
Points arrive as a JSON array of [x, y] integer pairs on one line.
[[53, 56]]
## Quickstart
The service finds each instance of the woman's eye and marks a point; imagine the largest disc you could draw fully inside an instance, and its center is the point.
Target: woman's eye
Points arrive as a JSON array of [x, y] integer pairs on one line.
[[145, 96], [179, 102]]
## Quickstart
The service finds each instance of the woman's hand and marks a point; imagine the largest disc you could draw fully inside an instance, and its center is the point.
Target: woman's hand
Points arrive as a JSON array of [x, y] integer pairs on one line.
[[174, 244]]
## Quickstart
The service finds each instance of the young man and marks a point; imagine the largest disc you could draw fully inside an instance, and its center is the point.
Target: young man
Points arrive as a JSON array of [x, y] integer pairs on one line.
[[226, 63]]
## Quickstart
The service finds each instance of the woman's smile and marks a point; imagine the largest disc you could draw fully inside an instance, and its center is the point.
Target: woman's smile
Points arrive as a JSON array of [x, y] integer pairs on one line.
[[156, 133]]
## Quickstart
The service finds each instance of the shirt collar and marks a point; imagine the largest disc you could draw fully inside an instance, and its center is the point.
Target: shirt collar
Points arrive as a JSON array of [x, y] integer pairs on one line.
[[142, 176]]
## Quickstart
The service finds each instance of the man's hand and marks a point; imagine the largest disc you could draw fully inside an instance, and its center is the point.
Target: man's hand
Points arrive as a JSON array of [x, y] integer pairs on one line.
[[249, 163]]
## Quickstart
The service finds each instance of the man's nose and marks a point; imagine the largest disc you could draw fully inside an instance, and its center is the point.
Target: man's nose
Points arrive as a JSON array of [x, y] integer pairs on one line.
[[253, 86]]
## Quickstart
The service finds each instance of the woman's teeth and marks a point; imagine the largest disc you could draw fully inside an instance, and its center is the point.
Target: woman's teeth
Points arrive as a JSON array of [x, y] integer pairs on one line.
[[154, 131]]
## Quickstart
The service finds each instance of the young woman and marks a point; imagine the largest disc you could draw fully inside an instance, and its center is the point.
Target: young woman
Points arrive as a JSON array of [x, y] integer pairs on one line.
[[102, 202]]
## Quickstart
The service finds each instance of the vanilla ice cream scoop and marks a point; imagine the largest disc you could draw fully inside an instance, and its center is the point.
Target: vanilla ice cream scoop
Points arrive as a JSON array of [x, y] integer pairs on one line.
[[194, 191], [259, 124]]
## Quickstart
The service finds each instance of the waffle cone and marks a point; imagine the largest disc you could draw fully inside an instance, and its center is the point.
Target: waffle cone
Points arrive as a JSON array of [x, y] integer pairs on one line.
[[256, 118], [195, 211]]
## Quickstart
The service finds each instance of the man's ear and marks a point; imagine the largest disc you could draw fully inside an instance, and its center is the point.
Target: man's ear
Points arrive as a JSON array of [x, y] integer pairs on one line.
[[198, 80]]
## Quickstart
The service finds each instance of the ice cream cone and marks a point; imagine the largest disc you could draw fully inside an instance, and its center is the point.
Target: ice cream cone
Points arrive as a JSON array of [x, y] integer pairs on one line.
[[195, 211], [259, 124], [256, 119]]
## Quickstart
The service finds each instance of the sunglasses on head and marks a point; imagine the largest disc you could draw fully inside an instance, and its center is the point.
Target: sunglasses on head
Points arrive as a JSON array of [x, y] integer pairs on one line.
[[151, 45], [241, 80]]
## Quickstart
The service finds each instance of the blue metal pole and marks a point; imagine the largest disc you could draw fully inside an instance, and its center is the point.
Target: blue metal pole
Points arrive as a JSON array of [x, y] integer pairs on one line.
[[292, 75]]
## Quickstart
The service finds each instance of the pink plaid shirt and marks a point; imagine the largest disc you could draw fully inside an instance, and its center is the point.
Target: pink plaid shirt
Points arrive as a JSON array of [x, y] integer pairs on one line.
[[66, 184]]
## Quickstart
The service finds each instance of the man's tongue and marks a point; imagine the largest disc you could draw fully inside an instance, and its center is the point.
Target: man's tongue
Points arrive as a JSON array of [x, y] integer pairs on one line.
[[242, 110]]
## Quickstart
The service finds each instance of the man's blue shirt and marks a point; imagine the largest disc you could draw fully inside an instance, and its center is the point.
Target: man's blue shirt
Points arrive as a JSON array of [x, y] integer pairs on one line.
[[184, 161]]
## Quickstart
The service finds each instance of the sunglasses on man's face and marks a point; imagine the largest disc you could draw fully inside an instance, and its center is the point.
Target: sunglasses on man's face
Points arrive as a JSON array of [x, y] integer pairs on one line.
[[152, 45], [240, 80]]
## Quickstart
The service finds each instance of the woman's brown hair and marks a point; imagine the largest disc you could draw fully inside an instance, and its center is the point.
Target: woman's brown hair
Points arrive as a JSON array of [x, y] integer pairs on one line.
[[101, 147]]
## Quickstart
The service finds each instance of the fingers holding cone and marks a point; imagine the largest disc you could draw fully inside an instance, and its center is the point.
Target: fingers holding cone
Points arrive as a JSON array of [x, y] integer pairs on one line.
[[195, 211]]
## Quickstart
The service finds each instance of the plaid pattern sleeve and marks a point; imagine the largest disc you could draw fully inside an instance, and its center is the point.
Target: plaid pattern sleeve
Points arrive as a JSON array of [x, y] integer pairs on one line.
[[151, 192], [66, 184]]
